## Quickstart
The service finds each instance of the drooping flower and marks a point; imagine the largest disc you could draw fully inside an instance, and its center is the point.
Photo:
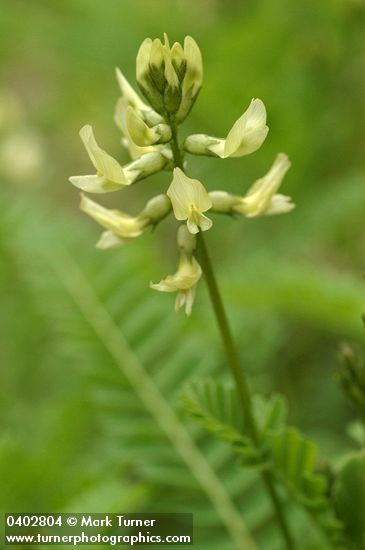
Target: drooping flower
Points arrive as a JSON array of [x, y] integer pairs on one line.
[[109, 176], [121, 225], [183, 281], [189, 200], [246, 135], [262, 198]]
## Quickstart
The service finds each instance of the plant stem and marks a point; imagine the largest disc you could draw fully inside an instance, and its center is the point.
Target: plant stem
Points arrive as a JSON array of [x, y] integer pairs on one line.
[[232, 354], [176, 152], [240, 379]]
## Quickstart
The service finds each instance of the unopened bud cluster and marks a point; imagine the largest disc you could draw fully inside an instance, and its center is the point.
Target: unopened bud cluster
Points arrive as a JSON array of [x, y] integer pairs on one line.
[[170, 78]]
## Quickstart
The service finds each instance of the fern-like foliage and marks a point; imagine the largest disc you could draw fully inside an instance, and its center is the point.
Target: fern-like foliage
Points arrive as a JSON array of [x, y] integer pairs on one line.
[[282, 449]]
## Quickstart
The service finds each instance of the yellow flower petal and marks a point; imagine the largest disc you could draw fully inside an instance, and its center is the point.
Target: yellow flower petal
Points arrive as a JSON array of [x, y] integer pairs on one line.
[[94, 184], [121, 224], [246, 135], [184, 281], [261, 199], [138, 130], [189, 200], [128, 93], [105, 165], [120, 119]]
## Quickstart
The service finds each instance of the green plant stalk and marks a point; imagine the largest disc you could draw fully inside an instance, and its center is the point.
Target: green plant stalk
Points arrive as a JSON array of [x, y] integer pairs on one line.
[[241, 380], [176, 151], [233, 357]]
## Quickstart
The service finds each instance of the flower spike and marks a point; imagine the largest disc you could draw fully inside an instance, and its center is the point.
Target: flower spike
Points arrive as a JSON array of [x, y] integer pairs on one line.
[[170, 79]]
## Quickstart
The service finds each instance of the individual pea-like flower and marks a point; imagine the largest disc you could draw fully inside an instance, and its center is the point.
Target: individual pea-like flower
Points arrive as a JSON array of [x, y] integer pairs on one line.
[[189, 200], [183, 282], [109, 176], [246, 135], [185, 279], [122, 227], [143, 129], [134, 150], [262, 198]]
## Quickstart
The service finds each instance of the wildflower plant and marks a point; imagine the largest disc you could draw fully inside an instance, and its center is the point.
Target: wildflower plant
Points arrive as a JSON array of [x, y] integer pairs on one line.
[[170, 79]]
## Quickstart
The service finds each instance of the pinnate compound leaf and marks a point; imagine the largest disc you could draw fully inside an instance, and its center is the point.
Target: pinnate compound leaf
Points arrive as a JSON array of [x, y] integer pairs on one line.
[[291, 457]]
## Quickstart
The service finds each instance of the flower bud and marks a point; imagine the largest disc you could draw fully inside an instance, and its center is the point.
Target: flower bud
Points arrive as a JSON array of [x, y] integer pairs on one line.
[[144, 77], [178, 60], [186, 241], [223, 202], [170, 78], [172, 93], [144, 166], [157, 208], [138, 130], [199, 144], [193, 77], [157, 65], [152, 118]]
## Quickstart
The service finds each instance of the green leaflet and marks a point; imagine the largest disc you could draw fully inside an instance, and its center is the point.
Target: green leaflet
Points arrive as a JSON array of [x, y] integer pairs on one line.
[[290, 456], [216, 408]]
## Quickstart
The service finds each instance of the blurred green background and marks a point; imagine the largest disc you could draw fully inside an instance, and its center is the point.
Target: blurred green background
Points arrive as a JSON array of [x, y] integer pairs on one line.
[[74, 433]]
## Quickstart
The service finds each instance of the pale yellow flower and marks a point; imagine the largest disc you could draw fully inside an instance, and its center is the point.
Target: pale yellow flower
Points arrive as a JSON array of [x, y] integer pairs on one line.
[[121, 225], [189, 200], [120, 118], [130, 98], [262, 199], [246, 135], [109, 173], [183, 281]]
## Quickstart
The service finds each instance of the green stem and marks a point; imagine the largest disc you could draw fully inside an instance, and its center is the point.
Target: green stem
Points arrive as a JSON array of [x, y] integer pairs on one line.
[[241, 380], [176, 151], [232, 356]]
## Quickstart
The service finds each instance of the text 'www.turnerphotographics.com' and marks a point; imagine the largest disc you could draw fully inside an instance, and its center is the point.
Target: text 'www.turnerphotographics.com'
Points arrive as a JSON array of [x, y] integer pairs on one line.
[[89, 529]]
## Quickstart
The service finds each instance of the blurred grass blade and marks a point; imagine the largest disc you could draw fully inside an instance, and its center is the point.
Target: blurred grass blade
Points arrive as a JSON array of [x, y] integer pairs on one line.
[[107, 331]]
